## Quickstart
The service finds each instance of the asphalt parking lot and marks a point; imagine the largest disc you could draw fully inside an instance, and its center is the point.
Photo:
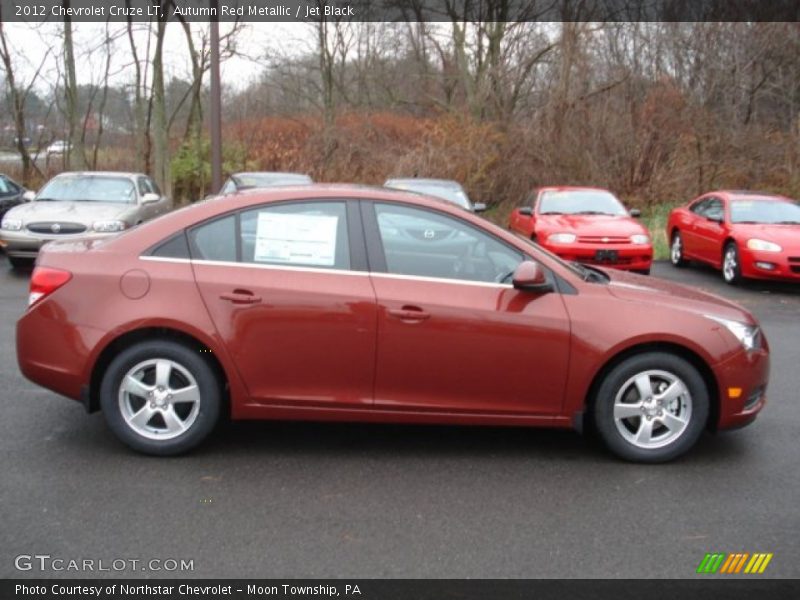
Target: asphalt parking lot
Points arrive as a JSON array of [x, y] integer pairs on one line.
[[332, 500]]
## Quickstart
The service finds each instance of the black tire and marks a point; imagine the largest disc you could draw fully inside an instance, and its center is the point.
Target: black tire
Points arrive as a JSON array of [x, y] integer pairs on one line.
[[18, 262], [191, 362], [676, 251], [643, 271], [618, 381], [731, 274]]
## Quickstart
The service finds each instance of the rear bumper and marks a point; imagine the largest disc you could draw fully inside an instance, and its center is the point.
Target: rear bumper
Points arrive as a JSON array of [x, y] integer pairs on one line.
[[770, 265], [54, 353], [742, 382], [629, 257]]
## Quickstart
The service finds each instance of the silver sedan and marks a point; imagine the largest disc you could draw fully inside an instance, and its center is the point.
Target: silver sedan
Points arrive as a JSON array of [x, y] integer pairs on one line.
[[77, 205]]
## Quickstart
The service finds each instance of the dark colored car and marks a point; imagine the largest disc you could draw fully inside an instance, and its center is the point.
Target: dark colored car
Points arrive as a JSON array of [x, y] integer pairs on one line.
[[346, 303], [588, 225], [11, 194], [745, 234], [262, 179], [446, 189]]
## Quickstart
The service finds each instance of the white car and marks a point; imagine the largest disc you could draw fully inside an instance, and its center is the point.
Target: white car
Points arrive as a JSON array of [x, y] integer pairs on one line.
[[58, 147]]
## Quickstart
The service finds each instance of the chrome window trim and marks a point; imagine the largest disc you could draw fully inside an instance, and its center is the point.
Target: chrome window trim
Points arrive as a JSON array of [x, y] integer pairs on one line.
[[220, 263]]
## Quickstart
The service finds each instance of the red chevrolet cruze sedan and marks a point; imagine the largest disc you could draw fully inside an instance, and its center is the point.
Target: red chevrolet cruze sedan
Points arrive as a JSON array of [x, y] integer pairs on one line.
[[584, 224], [347, 303], [745, 234]]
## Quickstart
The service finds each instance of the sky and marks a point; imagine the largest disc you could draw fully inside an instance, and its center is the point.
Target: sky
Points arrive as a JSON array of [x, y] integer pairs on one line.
[[35, 45]]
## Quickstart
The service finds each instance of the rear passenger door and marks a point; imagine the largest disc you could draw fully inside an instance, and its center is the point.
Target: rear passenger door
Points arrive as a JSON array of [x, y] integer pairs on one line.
[[287, 288]]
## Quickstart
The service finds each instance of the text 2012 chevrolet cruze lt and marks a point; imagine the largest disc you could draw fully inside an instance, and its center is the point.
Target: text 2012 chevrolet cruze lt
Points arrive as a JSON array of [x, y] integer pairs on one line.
[[347, 303]]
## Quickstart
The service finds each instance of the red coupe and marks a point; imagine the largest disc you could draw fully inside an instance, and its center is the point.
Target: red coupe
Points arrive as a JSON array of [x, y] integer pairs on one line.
[[588, 225], [746, 234], [347, 303]]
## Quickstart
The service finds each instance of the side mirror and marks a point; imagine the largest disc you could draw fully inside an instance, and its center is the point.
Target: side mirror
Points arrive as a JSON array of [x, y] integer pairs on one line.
[[478, 207], [529, 277], [635, 213], [28, 195], [525, 210], [150, 198]]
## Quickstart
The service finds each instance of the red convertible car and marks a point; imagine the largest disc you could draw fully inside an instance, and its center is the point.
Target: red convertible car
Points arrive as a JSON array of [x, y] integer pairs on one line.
[[746, 234], [588, 225], [347, 303]]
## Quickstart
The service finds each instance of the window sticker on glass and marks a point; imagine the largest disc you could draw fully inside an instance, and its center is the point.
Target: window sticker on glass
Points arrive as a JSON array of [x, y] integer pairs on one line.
[[296, 239]]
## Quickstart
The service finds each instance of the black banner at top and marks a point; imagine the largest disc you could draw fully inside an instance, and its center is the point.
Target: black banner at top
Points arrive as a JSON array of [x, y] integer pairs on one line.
[[34, 11]]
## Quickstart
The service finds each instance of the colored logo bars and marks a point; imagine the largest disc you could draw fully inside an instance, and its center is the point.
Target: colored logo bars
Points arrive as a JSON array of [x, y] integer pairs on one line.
[[720, 562]]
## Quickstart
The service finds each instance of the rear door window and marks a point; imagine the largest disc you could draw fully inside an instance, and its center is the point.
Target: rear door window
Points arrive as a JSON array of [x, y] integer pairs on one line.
[[303, 234]]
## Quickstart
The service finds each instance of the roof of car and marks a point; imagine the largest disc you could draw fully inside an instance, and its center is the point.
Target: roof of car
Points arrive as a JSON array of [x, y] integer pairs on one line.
[[424, 181], [100, 174], [752, 194], [571, 188]]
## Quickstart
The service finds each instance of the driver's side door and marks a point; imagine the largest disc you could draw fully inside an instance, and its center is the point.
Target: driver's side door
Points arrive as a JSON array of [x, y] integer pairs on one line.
[[453, 333]]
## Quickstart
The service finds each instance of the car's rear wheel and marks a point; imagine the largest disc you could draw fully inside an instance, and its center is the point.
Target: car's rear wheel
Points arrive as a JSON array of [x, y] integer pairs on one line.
[[652, 407], [731, 266], [160, 397], [676, 250]]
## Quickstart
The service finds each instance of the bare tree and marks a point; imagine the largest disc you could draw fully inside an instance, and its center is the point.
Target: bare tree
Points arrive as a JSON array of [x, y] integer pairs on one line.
[[17, 96]]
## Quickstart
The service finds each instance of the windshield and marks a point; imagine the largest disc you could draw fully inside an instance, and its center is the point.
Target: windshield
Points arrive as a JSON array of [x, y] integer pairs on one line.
[[452, 193], [580, 202], [88, 188], [755, 210]]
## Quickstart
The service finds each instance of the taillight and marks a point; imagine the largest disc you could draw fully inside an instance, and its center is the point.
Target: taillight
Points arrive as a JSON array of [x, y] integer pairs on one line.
[[45, 281]]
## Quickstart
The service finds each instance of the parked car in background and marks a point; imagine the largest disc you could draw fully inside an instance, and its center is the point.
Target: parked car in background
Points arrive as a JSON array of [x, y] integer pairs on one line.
[[58, 147], [75, 205], [587, 225], [262, 179], [745, 234], [11, 194], [440, 188], [347, 303]]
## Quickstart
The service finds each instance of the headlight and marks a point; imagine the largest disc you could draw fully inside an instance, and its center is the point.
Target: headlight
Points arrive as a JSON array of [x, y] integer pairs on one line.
[[640, 238], [748, 335], [11, 224], [763, 245], [109, 226], [561, 238]]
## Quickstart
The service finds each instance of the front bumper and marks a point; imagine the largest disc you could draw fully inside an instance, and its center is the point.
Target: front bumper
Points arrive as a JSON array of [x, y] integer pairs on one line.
[[24, 244], [771, 265], [627, 257], [742, 382]]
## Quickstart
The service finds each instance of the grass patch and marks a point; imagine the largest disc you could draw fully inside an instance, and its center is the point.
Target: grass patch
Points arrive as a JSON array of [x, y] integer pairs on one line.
[[655, 219]]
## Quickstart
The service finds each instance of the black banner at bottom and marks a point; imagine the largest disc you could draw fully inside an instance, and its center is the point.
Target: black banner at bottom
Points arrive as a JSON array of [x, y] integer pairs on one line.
[[400, 589]]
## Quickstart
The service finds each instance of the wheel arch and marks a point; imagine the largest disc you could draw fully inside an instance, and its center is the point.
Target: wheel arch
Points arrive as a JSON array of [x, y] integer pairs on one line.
[[129, 338], [673, 229], [684, 352]]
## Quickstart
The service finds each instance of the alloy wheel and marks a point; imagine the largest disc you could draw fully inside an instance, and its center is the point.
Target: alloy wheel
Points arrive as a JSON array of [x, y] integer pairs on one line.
[[652, 409], [159, 399]]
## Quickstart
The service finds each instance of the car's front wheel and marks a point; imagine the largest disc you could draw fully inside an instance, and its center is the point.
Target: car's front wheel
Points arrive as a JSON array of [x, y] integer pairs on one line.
[[652, 407], [731, 267], [160, 397], [676, 250]]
